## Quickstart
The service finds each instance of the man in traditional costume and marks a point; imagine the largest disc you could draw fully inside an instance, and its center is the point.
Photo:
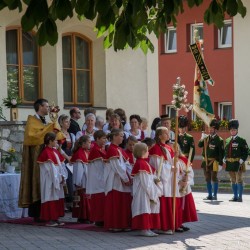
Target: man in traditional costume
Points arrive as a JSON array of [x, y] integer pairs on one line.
[[236, 153], [35, 130], [185, 140], [213, 153]]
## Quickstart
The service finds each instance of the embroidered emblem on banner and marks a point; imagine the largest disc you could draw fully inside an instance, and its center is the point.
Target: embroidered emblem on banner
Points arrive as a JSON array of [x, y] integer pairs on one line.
[[200, 62]]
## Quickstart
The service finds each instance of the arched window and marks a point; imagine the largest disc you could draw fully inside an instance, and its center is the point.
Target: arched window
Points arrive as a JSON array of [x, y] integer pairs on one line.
[[23, 65], [77, 69]]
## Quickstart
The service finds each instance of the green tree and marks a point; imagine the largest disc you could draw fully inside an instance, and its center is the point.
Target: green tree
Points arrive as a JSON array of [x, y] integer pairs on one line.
[[123, 23]]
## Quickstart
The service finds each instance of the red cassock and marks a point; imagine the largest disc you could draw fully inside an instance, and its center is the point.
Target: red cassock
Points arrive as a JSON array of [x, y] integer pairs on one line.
[[130, 156], [189, 208], [118, 200], [51, 209], [97, 200], [81, 210]]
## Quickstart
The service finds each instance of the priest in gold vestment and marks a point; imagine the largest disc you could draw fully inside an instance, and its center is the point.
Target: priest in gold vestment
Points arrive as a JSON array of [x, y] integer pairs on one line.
[[36, 128]]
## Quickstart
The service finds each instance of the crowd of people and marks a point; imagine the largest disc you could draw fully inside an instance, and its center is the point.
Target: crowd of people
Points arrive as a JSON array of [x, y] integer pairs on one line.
[[111, 172]]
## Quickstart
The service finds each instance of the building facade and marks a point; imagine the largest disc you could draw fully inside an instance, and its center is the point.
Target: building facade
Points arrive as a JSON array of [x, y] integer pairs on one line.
[[175, 59], [77, 71]]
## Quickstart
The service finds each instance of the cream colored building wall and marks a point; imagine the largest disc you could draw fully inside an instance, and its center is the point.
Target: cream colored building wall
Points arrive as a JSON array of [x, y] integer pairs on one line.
[[241, 40], [132, 81], [126, 79]]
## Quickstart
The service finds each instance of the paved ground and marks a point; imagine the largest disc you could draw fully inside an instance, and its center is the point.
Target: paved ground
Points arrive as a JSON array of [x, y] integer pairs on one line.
[[222, 225]]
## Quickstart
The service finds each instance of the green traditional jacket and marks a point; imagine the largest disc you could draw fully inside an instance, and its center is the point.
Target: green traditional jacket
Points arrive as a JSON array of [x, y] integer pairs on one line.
[[235, 149], [214, 149], [186, 142]]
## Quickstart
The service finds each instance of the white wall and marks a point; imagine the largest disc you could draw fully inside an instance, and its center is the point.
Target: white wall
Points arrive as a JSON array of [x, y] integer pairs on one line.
[[241, 71], [132, 81]]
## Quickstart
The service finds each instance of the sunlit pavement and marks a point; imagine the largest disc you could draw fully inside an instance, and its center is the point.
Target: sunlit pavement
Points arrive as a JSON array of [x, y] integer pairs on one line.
[[222, 225]]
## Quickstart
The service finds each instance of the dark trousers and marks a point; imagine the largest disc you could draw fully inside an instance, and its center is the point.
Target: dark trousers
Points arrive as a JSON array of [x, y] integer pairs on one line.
[[209, 174], [34, 210], [69, 182]]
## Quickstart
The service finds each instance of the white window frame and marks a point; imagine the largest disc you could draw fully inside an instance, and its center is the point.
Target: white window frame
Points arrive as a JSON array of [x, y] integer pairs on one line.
[[166, 40], [192, 27], [220, 109], [220, 35], [169, 109]]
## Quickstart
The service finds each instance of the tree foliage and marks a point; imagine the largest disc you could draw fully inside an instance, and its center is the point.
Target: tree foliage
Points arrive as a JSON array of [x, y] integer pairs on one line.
[[123, 23]]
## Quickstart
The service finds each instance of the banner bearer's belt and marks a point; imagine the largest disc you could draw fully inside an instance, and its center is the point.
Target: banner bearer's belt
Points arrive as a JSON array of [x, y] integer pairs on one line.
[[214, 163], [209, 159], [232, 159]]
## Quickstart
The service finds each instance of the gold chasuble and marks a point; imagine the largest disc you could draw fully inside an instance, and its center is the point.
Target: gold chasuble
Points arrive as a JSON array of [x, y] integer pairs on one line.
[[34, 134]]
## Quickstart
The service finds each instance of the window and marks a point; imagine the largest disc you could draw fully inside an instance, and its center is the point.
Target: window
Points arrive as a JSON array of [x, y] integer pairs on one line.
[[170, 40], [170, 111], [225, 110], [199, 27], [77, 70], [225, 35], [23, 65]]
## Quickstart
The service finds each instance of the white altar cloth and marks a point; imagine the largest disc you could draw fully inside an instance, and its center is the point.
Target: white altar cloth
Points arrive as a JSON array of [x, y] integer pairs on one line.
[[9, 192]]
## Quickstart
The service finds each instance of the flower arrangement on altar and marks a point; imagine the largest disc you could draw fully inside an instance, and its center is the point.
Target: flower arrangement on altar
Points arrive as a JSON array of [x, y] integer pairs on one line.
[[12, 101], [10, 156], [180, 97]]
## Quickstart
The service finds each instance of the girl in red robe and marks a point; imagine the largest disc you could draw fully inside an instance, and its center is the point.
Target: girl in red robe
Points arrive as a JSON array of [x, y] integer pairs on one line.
[[51, 180], [117, 216], [131, 141], [186, 179], [161, 158], [95, 178], [80, 161]]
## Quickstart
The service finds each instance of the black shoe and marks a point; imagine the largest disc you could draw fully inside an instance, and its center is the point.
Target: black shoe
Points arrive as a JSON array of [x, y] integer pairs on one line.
[[239, 200], [179, 230], [99, 223], [214, 197], [84, 221], [208, 198], [38, 220], [234, 199], [184, 228]]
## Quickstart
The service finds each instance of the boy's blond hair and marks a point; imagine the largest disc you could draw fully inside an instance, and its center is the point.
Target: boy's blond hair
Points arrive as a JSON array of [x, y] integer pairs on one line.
[[140, 149]]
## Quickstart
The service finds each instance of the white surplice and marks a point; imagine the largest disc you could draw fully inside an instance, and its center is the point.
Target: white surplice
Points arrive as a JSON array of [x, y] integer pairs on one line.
[[95, 177], [80, 174], [145, 194]]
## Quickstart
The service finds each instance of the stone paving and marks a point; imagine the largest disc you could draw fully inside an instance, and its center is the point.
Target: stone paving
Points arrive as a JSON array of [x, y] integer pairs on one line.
[[222, 225]]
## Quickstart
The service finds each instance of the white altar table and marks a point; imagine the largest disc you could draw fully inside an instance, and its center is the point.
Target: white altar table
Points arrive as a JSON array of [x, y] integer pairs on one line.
[[9, 192]]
